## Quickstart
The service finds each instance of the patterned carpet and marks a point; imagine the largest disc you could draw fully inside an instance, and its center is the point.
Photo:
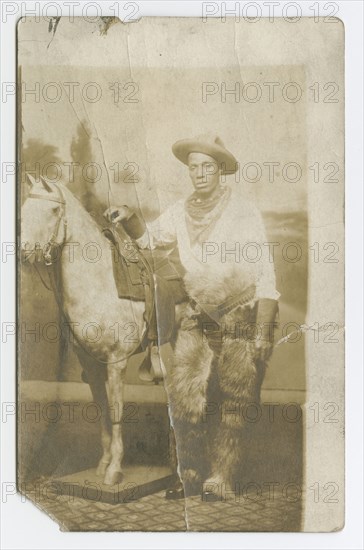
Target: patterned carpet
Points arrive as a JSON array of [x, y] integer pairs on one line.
[[268, 510]]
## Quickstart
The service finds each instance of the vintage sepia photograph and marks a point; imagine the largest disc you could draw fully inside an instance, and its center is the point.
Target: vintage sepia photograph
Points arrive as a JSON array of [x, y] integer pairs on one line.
[[180, 226]]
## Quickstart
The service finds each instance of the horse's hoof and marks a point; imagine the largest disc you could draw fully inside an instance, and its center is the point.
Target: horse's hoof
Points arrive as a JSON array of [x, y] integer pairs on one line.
[[112, 477], [101, 468]]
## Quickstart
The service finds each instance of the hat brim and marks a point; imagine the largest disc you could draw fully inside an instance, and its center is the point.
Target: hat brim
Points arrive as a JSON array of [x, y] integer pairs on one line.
[[181, 149]]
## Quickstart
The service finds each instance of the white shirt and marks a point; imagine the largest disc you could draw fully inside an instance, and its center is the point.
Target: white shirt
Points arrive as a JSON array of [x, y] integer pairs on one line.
[[234, 248]]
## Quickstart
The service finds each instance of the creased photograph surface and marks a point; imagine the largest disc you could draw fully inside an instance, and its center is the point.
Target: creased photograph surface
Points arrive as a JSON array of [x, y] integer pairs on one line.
[[181, 273]]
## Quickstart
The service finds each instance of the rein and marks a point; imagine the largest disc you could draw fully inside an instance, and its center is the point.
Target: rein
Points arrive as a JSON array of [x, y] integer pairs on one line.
[[48, 250]]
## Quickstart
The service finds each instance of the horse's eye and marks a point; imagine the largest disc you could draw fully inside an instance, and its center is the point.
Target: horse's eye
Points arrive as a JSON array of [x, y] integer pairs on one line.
[[55, 209]]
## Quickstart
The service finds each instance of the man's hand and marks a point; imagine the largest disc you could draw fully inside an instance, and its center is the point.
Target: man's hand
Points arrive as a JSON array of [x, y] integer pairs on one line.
[[263, 350], [116, 214]]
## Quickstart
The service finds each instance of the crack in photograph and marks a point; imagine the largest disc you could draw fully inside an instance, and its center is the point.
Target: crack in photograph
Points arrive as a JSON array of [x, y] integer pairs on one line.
[[181, 273]]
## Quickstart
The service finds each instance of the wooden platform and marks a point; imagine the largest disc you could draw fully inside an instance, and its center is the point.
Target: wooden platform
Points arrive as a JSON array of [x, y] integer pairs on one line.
[[138, 482]]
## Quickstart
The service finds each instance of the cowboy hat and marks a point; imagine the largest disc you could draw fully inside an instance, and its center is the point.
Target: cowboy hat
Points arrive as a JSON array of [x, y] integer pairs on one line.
[[209, 145]]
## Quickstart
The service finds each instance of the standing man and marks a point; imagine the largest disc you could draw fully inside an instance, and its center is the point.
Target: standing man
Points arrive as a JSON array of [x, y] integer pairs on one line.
[[226, 334]]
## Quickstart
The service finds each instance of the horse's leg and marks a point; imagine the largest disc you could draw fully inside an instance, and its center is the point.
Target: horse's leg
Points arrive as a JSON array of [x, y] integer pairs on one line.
[[96, 378], [116, 374]]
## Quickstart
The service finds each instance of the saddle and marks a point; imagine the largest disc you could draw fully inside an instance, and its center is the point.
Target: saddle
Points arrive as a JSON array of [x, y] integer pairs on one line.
[[150, 276]]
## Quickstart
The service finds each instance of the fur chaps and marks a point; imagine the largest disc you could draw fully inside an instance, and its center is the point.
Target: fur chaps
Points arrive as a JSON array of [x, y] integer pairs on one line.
[[213, 381]]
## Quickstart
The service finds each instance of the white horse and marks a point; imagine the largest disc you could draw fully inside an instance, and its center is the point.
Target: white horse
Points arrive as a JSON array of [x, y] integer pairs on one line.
[[54, 221]]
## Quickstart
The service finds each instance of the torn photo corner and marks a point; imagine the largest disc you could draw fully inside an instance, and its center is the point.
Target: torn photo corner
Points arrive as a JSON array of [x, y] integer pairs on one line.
[[181, 273]]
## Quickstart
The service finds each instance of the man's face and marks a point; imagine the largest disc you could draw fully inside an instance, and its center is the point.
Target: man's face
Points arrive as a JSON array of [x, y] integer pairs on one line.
[[204, 173]]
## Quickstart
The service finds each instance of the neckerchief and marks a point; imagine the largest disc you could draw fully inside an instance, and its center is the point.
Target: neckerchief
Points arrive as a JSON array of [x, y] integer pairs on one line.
[[202, 215]]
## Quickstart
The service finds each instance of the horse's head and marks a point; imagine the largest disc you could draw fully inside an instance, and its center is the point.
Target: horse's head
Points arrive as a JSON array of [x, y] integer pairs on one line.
[[43, 223]]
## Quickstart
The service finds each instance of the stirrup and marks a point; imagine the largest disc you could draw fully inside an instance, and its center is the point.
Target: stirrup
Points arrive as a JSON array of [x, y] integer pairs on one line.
[[152, 368]]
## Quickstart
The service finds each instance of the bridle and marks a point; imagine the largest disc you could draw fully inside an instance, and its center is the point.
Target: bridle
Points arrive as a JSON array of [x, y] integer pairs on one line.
[[53, 242]]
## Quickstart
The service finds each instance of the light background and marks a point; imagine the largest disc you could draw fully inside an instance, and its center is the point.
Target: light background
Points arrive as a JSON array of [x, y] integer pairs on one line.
[[170, 107]]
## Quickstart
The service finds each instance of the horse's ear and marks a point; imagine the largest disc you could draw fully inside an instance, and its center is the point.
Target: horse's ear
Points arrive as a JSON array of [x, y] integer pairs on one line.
[[46, 185], [40, 183]]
